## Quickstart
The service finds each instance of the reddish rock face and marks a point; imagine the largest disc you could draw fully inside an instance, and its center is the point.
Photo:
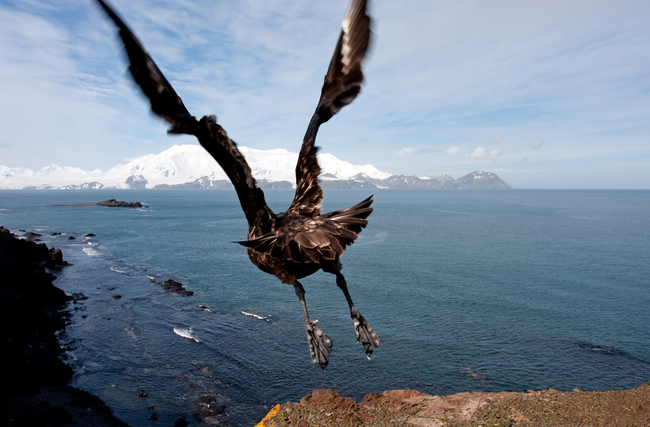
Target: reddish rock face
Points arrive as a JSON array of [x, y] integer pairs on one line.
[[398, 408], [369, 398], [344, 403], [397, 396], [323, 395]]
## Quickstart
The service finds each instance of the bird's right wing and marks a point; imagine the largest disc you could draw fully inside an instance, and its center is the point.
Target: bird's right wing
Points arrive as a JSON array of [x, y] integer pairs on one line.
[[342, 85], [168, 105]]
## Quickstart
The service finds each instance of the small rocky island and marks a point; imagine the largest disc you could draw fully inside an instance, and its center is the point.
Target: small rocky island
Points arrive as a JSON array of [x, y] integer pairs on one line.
[[112, 203]]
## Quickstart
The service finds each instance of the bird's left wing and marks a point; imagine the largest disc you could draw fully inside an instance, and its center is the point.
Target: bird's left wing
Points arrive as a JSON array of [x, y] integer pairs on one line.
[[342, 85], [168, 105], [164, 100]]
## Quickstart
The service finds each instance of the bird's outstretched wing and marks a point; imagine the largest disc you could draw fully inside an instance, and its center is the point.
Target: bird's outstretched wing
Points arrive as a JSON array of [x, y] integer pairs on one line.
[[164, 100], [342, 85], [168, 105]]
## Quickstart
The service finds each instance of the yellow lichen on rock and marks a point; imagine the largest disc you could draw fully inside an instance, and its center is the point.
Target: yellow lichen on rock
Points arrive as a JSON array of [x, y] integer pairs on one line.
[[272, 413]]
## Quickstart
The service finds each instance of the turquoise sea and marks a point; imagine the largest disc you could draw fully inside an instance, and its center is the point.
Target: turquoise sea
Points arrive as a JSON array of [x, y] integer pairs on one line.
[[467, 290]]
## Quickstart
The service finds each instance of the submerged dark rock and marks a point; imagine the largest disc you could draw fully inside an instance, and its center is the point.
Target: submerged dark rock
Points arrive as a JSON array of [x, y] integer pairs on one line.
[[31, 236], [208, 406], [174, 286]]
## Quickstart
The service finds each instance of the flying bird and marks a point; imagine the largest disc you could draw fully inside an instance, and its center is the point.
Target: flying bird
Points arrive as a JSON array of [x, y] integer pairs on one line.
[[296, 243]]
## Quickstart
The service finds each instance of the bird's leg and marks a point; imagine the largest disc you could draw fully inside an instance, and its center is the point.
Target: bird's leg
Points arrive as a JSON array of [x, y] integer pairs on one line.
[[320, 344], [363, 331]]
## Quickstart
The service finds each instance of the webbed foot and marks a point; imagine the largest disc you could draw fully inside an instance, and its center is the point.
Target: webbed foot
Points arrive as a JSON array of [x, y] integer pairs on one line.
[[364, 332], [320, 344]]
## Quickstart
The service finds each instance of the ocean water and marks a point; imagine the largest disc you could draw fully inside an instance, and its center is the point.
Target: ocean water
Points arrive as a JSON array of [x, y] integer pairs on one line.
[[467, 290]]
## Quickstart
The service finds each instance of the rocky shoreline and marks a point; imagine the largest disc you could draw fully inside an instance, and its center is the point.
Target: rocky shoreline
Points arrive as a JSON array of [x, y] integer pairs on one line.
[[33, 383]]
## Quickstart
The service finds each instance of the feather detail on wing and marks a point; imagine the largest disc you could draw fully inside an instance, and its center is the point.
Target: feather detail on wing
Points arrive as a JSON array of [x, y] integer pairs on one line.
[[305, 240], [164, 100], [342, 85]]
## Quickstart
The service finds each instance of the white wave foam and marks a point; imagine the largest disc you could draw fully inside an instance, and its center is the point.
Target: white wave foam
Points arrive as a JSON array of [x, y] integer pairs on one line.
[[185, 333], [253, 315], [115, 269], [93, 244], [92, 252]]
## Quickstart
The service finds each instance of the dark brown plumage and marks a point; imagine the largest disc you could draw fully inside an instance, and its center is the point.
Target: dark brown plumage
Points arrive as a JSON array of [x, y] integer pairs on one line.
[[296, 243]]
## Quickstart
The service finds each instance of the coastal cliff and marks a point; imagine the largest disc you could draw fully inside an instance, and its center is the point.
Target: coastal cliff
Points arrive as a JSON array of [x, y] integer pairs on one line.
[[33, 380]]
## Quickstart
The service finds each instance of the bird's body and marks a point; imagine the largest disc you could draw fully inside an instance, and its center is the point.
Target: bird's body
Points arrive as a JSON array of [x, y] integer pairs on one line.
[[296, 243]]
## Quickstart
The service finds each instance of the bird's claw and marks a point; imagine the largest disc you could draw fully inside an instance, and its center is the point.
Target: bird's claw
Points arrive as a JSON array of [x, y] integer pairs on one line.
[[364, 332], [320, 345]]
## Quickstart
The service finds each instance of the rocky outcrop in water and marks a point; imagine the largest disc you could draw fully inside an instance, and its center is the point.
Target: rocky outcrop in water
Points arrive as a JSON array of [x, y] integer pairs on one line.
[[112, 203], [55, 260], [32, 236], [174, 286]]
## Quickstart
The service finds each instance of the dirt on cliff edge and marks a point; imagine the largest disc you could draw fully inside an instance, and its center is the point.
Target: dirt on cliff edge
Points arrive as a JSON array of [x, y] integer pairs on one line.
[[412, 408]]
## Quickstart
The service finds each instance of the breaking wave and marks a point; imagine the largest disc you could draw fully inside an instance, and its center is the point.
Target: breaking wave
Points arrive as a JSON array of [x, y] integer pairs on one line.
[[253, 315], [186, 333], [92, 252]]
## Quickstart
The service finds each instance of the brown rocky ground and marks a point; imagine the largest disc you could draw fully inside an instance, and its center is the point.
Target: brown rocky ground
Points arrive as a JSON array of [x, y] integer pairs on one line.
[[412, 408]]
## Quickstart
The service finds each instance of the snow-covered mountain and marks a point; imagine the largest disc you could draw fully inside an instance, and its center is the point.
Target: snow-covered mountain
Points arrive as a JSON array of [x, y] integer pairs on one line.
[[178, 165], [190, 166]]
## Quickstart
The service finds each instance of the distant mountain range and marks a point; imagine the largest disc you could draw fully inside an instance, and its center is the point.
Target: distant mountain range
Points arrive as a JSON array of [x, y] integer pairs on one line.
[[190, 166]]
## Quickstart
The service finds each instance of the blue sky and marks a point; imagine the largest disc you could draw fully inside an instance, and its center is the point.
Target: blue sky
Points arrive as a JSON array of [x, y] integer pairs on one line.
[[552, 94]]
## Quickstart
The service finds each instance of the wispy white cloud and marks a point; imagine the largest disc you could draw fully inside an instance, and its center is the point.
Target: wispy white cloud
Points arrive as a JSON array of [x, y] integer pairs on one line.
[[405, 151], [455, 150], [483, 154], [478, 153]]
